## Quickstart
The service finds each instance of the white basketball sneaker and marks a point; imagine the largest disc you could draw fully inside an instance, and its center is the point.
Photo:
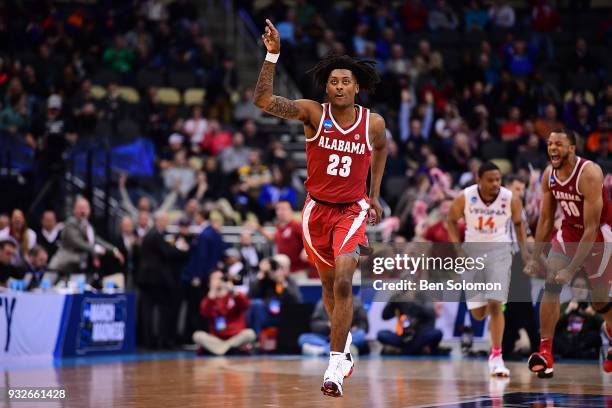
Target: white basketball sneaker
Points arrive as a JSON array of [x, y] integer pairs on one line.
[[346, 365], [497, 368], [332, 381]]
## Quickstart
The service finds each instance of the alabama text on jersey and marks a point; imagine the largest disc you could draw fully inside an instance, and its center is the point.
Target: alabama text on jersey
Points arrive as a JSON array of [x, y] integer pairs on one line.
[[337, 159]]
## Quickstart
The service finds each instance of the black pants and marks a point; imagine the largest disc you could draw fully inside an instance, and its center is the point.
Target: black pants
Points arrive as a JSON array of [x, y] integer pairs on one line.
[[585, 345], [193, 321], [157, 304], [430, 337], [519, 314]]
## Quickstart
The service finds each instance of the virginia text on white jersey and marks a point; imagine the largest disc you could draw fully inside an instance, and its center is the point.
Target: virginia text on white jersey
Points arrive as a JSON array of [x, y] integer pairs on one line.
[[487, 223]]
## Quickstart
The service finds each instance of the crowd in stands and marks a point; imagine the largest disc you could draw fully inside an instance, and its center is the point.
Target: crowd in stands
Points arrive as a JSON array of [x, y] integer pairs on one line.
[[461, 84]]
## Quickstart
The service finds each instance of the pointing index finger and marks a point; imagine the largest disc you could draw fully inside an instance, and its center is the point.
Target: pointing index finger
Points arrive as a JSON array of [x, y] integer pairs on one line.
[[270, 25]]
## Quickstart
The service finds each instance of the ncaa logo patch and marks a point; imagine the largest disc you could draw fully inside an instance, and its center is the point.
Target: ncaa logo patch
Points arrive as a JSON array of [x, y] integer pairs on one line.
[[327, 124], [357, 136], [473, 199], [552, 179]]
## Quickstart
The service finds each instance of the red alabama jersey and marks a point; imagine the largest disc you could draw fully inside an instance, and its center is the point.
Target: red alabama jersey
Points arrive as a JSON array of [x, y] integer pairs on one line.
[[571, 200], [338, 159]]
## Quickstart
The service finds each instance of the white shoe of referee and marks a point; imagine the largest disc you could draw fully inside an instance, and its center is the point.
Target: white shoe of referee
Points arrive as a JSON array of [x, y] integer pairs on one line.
[[497, 368], [346, 365]]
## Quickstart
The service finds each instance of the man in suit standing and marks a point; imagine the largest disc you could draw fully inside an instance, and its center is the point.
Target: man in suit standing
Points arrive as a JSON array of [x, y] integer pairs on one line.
[[128, 244], [49, 235], [157, 279], [79, 241], [206, 252]]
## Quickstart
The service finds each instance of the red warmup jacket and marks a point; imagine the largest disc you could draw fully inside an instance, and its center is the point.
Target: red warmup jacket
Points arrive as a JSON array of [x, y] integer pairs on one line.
[[231, 308]]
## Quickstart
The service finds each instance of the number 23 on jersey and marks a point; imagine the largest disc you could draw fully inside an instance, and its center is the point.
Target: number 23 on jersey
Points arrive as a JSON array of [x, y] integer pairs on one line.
[[339, 166]]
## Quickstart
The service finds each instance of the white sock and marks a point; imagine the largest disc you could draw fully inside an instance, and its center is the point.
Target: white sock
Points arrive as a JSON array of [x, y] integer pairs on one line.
[[349, 341]]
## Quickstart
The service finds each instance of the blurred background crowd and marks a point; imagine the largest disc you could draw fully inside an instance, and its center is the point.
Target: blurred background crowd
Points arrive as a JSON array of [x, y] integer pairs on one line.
[[187, 191]]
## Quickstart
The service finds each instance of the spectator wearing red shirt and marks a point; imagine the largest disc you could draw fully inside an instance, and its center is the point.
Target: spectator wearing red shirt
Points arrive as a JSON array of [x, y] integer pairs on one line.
[[437, 233], [225, 311], [414, 15], [511, 130], [288, 237], [544, 20], [544, 125], [216, 139]]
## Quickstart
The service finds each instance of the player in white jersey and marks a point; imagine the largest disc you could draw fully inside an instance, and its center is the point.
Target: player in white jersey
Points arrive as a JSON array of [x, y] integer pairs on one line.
[[487, 207]]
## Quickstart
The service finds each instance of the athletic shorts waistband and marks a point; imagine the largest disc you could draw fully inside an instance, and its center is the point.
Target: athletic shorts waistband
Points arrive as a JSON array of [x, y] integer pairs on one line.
[[331, 204]]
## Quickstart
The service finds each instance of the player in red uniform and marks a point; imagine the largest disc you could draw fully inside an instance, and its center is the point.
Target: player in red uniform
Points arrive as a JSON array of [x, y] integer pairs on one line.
[[343, 141], [583, 241]]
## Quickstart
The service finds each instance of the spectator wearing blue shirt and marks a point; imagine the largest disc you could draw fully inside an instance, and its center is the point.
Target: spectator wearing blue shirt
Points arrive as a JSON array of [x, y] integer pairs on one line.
[[491, 75], [413, 129], [384, 44], [360, 39], [286, 28], [475, 18], [279, 189], [520, 60], [207, 250]]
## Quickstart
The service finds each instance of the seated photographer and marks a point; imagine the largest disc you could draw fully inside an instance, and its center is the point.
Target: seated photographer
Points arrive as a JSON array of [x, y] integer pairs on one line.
[[225, 311], [270, 291], [577, 332], [317, 342], [415, 331]]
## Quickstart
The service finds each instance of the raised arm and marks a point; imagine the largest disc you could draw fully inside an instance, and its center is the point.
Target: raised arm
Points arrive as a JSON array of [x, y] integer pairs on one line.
[[379, 158], [305, 110]]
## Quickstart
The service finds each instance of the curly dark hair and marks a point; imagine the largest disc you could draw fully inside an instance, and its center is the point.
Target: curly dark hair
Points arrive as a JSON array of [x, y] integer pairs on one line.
[[364, 71]]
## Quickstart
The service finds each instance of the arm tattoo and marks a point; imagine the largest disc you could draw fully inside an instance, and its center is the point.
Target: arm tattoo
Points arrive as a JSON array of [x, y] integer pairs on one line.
[[278, 106], [283, 107]]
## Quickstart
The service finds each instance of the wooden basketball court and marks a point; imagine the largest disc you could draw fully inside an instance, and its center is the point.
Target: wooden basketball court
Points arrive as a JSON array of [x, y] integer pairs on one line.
[[182, 380]]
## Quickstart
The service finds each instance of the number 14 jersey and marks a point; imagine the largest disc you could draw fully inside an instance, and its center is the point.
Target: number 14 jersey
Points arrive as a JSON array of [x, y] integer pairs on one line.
[[338, 159], [487, 222]]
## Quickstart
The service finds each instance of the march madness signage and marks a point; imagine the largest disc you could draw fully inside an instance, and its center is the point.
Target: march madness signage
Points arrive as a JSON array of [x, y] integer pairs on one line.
[[103, 323], [100, 324], [52, 324]]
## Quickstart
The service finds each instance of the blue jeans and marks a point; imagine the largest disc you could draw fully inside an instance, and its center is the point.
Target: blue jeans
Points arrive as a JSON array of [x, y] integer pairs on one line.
[[423, 338], [359, 340], [259, 316]]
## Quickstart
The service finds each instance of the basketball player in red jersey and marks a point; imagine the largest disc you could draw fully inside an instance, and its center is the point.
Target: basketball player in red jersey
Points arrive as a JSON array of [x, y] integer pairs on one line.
[[343, 141], [584, 240]]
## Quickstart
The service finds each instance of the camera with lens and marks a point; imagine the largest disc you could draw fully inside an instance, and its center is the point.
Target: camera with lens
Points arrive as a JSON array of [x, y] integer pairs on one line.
[[274, 265]]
